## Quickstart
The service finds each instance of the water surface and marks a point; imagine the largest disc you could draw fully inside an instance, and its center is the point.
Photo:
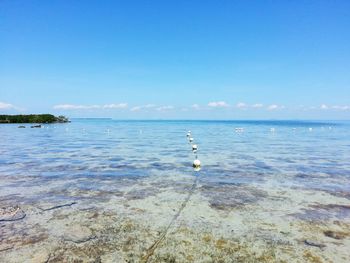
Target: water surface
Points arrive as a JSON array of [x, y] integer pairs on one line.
[[272, 183]]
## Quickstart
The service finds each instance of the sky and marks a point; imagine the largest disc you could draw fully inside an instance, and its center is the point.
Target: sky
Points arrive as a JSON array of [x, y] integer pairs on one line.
[[176, 59]]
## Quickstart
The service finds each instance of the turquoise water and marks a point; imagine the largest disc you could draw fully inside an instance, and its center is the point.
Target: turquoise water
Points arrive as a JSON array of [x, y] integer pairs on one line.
[[292, 154]]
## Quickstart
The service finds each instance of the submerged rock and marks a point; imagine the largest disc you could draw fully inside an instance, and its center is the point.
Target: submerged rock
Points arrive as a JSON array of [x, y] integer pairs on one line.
[[12, 213], [314, 243], [41, 256], [335, 234], [78, 234]]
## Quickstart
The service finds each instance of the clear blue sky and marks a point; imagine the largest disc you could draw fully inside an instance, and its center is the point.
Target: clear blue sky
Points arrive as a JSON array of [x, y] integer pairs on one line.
[[176, 59]]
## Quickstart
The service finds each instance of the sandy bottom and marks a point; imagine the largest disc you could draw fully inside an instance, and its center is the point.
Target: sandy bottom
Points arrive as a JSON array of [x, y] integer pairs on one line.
[[169, 219]]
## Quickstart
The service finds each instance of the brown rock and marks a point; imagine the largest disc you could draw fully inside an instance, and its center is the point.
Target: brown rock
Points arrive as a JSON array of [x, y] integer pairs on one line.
[[41, 257], [335, 234], [11, 213], [78, 234]]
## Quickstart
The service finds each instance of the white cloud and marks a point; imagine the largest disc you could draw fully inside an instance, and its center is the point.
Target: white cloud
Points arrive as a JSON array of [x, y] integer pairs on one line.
[[136, 108], [195, 106], [164, 108], [275, 107], [218, 104], [147, 106], [115, 106], [272, 107], [334, 107], [6, 106], [214, 104], [337, 107], [89, 107], [75, 107], [258, 105], [241, 105]]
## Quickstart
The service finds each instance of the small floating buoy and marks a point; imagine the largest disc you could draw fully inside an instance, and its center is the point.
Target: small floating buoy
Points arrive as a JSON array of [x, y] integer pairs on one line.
[[197, 169], [188, 134], [196, 163], [194, 147], [190, 139], [310, 129]]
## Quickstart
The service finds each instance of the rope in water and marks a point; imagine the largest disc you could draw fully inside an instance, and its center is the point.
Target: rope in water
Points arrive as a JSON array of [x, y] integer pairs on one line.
[[153, 247]]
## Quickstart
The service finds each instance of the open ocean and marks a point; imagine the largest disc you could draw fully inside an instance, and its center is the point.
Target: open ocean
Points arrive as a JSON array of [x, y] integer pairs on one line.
[[266, 187]]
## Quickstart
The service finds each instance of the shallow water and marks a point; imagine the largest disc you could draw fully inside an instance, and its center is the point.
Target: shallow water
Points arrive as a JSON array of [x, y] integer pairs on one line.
[[254, 186]]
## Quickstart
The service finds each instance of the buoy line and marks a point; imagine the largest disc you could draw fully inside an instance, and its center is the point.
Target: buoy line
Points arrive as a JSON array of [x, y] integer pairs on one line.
[[196, 166]]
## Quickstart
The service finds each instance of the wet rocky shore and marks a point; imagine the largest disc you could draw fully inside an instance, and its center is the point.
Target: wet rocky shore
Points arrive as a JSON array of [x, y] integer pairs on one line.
[[125, 218]]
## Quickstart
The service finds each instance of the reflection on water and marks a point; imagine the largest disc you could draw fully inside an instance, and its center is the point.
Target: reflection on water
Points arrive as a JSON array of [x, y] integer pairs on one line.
[[253, 182]]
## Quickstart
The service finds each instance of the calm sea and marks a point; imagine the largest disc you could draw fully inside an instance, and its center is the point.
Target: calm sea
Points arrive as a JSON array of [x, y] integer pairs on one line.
[[306, 154]]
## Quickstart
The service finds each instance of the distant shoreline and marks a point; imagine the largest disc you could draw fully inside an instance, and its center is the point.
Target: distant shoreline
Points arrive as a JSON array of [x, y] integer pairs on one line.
[[32, 118]]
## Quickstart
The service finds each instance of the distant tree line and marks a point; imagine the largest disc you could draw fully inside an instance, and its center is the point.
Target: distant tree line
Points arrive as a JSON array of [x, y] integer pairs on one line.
[[32, 118]]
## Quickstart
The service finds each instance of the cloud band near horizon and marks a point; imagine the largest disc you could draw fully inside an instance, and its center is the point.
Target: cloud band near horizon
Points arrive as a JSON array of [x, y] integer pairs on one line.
[[5, 106]]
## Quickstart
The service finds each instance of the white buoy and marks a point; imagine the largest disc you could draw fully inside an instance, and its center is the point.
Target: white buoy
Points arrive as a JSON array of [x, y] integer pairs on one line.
[[196, 163], [190, 139], [310, 129], [188, 134], [196, 169], [194, 147]]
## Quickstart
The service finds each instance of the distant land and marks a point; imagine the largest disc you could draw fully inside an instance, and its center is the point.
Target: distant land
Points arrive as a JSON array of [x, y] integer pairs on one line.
[[33, 118]]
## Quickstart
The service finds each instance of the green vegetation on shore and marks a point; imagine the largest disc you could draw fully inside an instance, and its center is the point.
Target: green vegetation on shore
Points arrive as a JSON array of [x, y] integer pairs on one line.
[[32, 118]]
